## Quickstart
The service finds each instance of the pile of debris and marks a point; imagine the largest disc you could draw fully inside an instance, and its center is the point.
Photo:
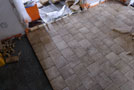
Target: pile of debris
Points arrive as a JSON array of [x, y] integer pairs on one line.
[[8, 52]]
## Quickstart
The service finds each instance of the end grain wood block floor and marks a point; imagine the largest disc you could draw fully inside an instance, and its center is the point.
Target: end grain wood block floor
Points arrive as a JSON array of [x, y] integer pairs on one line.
[[81, 52]]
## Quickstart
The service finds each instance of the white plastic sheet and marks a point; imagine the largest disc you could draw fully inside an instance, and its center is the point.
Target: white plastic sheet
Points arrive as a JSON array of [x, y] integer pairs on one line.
[[52, 16], [131, 2], [22, 11]]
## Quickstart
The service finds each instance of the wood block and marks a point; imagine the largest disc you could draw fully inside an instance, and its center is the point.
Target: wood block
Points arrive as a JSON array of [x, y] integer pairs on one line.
[[12, 59]]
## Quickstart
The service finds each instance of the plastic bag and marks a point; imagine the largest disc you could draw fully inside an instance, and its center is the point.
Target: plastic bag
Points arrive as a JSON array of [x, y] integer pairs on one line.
[[52, 16]]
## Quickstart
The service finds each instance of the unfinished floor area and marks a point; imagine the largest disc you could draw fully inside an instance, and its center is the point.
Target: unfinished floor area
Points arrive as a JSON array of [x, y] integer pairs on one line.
[[82, 52], [27, 74]]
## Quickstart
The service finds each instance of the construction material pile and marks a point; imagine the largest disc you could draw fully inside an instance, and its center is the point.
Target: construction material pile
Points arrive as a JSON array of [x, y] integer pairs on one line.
[[7, 48], [8, 52], [70, 7]]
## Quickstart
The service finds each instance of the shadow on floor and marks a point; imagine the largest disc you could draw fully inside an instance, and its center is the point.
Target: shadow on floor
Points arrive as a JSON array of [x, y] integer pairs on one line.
[[27, 74]]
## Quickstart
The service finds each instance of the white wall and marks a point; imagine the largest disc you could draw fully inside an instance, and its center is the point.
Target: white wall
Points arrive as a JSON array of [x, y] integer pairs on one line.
[[9, 24]]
